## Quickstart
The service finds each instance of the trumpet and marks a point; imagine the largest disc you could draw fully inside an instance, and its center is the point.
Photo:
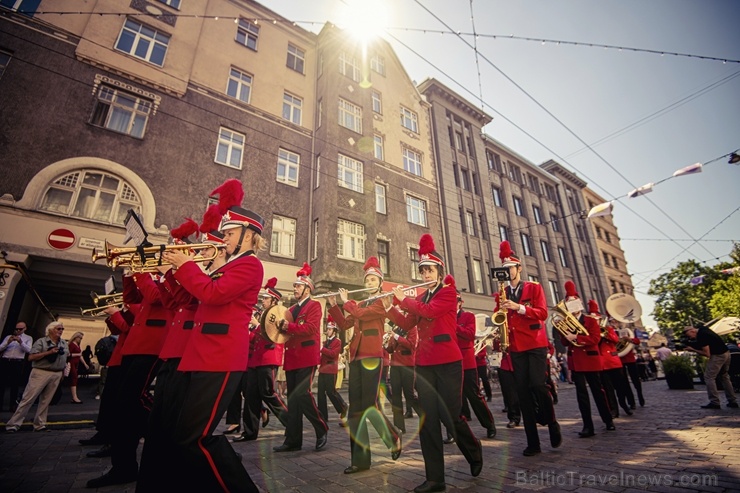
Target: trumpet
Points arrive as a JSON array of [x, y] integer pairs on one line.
[[390, 293], [336, 293], [100, 310], [108, 299], [565, 323], [147, 259]]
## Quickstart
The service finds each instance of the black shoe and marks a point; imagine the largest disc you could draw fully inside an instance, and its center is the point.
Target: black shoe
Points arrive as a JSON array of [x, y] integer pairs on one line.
[[615, 415], [343, 414], [408, 414], [354, 469], [476, 468], [586, 433], [491, 432], [104, 451], [628, 412], [711, 405], [285, 448], [555, 399], [611, 427], [429, 486], [238, 455], [512, 424], [556, 438], [265, 415], [233, 430], [530, 451], [96, 439], [397, 448], [632, 407], [504, 410], [243, 438], [488, 399], [111, 477], [642, 401], [732, 405], [448, 440], [321, 441], [343, 423]]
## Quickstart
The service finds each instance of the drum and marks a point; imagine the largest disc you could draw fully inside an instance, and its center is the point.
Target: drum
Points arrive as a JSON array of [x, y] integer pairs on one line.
[[270, 321]]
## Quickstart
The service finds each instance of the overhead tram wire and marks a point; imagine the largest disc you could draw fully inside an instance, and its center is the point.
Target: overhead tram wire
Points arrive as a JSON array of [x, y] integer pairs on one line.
[[475, 49]]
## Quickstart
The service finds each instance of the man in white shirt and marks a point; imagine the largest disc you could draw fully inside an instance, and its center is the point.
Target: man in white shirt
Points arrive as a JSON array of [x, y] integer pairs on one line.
[[13, 351], [663, 352]]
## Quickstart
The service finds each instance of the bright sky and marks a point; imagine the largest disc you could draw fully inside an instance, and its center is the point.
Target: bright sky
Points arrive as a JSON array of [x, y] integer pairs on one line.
[[676, 111]]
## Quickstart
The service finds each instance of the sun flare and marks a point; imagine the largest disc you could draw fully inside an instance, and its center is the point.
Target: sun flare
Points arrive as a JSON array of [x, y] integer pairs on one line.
[[364, 19]]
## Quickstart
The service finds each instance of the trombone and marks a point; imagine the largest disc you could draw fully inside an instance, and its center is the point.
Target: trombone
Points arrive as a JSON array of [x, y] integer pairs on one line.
[[110, 299], [100, 310], [336, 293], [148, 259]]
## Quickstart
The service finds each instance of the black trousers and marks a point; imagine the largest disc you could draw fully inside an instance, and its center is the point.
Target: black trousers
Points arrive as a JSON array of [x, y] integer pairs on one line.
[[615, 387], [328, 388], [473, 395], [208, 462], [631, 369], [483, 375], [11, 376], [106, 422], [364, 383], [530, 373], [507, 381], [133, 405], [440, 400], [301, 403], [265, 378], [402, 385], [234, 409], [580, 378]]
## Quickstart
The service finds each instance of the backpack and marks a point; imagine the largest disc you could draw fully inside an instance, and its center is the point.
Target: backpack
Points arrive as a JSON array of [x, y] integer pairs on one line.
[[104, 349]]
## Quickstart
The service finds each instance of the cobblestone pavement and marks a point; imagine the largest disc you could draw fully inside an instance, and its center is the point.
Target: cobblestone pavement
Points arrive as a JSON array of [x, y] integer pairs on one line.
[[668, 445]]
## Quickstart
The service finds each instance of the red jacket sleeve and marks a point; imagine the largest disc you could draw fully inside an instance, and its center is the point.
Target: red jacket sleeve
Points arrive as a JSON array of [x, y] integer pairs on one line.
[[131, 294], [466, 326], [311, 320], [216, 290]]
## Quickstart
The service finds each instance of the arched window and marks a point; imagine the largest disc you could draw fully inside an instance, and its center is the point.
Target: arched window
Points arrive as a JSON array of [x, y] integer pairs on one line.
[[91, 194]]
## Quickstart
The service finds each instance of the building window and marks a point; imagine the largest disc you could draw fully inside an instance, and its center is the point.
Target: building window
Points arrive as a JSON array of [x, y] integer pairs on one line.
[[349, 67], [554, 222], [550, 193], [349, 173], [554, 293], [247, 34], [414, 255], [598, 232], [409, 120], [121, 112], [239, 85], [384, 257], [470, 223], [91, 194], [494, 161], [515, 174], [282, 242], [377, 103], [456, 174], [230, 148], [350, 240], [143, 42], [463, 227], [497, 197], [465, 179], [380, 199], [526, 245], [563, 257], [175, 4], [287, 167], [350, 116], [607, 237], [315, 252], [534, 184], [606, 259], [296, 58], [318, 172], [292, 108], [477, 276], [411, 161], [537, 214], [4, 61], [587, 261], [321, 112], [459, 142], [518, 206], [476, 184], [579, 232], [378, 147], [614, 262], [613, 284], [503, 232], [377, 64], [416, 210], [483, 228], [545, 251]]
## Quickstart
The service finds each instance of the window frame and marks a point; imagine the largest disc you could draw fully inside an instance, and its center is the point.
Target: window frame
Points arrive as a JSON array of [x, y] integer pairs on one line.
[[294, 104], [381, 199], [284, 160], [283, 232], [349, 115], [416, 210], [240, 84], [377, 102], [545, 251], [411, 157], [415, 259], [537, 214], [518, 206], [384, 257], [526, 244], [352, 168], [503, 232], [409, 120], [299, 55], [478, 276], [110, 109], [249, 31], [357, 244], [230, 145], [378, 147], [498, 199], [563, 257], [349, 61], [138, 37], [377, 64]]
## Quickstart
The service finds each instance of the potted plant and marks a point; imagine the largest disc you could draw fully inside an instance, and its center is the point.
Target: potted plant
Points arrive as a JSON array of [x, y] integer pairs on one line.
[[679, 372]]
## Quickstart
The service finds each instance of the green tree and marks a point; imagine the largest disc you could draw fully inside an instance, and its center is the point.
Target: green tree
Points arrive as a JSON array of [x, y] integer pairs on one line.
[[726, 300]]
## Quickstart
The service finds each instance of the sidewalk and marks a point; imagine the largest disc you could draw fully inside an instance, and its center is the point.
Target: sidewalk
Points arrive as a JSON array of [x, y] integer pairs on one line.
[[669, 445]]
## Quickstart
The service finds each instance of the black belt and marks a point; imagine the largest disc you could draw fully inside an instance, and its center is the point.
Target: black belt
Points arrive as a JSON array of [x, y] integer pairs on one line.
[[14, 360]]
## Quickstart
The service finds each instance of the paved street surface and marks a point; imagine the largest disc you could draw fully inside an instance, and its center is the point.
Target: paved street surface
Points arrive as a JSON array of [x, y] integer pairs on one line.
[[669, 445]]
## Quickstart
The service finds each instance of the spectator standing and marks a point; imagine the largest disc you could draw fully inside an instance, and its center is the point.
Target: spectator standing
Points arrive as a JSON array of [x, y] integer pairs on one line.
[[87, 355], [663, 352], [13, 351], [75, 359], [709, 344]]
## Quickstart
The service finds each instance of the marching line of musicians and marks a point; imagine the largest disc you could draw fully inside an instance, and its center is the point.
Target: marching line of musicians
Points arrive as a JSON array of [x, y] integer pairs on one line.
[[189, 326]]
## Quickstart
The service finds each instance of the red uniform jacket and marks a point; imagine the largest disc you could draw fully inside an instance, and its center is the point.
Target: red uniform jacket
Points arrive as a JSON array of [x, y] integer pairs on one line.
[[480, 358], [403, 349], [527, 331], [151, 324], [303, 349], [369, 324], [435, 317], [466, 338], [183, 306], [506, 364], [119, 324], [266, 352], [330, 356], [220, 338], [608, 348], [587, 357]]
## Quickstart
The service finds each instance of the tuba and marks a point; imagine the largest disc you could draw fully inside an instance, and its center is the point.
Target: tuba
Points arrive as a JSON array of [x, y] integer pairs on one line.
[[626, 309], [565, 323], [625, 344]]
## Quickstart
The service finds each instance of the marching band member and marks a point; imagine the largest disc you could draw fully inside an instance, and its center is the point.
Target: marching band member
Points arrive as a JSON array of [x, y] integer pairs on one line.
[[214, 360], [611, 376], [585, 363], [263, 365], [629, 368], [507, 381], [328, 370], [439, 367], [302, 356], [471, 389], [401, 346], [526, 313], [481, 362], [365, 365]]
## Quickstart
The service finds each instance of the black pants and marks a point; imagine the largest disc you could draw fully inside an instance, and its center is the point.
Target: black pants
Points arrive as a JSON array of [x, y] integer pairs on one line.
[[631, 369], [507, 381], [530, 372], [328, 388], [364, 382], [580, 378], [209, 463], [483, 375], [11, 376], [301, 403], [402, 385], [106, 422], [440, 400], [614, 383], [472, 394], [234, 409], [261, 388], [133, 405]]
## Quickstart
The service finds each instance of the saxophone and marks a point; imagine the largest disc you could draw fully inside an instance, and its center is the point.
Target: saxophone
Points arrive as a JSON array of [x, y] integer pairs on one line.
[[501, 320]]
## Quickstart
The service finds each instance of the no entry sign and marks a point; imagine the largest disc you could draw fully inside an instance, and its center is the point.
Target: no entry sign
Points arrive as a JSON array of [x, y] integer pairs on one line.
[[61, 239]]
